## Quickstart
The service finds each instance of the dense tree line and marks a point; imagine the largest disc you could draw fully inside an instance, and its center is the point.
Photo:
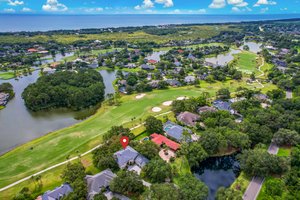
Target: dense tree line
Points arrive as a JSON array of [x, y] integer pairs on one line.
[[74, 90]]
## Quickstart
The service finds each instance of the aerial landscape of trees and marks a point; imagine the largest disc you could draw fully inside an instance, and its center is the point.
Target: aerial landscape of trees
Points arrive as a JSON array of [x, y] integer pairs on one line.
[[74, 90]]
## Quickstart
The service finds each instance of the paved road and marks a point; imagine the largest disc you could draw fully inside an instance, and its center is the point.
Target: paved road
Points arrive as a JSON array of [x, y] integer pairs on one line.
[[67, 161], [256, 183]]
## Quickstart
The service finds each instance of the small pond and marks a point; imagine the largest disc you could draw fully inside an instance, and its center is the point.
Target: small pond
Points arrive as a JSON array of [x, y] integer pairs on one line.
[[223, 59], [218, 172]]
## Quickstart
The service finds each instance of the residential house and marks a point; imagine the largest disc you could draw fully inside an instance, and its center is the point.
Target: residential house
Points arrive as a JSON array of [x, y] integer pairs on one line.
[[188, 118], [223, 105], [173, 82], [262, 97], [160, 140], [152, 61], [58, 193], [130, 159], [175, 131], [189, 79], [130, 66], [206, 109], [98, 182], [147, 67], [48, 70], [3, 98], [94, 64]]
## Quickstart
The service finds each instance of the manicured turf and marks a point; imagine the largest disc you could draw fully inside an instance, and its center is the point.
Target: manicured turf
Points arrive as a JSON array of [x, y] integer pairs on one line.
[[246, 62], [182, 168], [57, 146], [285, 152], [241, 183], [7, 75]]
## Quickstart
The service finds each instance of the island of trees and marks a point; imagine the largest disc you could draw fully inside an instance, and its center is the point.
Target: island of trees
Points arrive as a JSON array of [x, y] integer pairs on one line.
[[73, 90]]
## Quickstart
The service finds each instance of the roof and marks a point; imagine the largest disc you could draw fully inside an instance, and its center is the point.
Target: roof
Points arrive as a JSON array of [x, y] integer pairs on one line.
[[222, 105], [129, 155], [126, 155], [151, 61], [206, 109], [188, 118], [160, 139], [32, 50], [145, 66], [57, 193], [174, 130], [97, 182]]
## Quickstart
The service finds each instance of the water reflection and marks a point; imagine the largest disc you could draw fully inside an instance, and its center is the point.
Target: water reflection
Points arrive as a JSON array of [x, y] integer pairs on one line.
[[217, 172]]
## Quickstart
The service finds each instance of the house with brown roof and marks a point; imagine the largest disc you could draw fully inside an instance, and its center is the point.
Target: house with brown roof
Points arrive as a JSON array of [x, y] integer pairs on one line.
[[188, 118], [204, 109]]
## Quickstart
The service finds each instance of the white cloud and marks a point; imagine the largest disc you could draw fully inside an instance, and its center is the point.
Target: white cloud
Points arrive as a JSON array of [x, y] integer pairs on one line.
[[26, 10], [218, 4], [9, 10], [235, 9], [284, 9], [138, 7], [15, 3], [167, 3], [237, 3], [201, 11], [148, 4], [54, 6], [263, 10], [265, 2]]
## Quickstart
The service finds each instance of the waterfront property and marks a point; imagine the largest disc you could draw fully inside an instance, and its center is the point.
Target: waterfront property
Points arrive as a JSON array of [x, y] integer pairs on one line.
[[162, 140], [3, 98]]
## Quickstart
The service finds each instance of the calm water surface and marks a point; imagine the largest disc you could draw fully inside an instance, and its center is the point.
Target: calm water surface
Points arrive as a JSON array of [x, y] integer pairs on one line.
[[18, 125], [10, 23], [218, 172]]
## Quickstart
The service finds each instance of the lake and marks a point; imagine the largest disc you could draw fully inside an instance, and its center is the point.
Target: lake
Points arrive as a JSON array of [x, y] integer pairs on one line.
[[218, 172], [16, 22], [223, 59], [19, 125]]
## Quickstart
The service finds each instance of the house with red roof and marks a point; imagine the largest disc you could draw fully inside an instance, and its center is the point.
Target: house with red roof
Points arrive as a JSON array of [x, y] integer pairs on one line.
[[160, 139], [32, 50], [151, 61]]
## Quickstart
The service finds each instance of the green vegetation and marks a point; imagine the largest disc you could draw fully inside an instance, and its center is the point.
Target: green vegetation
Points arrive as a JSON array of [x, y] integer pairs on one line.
[[285, 152], [246, 62], [7, 75], [75, 90]]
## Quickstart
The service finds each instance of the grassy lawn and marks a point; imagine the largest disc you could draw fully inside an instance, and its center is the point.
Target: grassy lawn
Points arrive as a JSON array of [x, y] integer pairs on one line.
[[2, 107], [284, 151], [182, 168], [57, 146], [7, 75], [241, 183], [246, 62], [188, 46]]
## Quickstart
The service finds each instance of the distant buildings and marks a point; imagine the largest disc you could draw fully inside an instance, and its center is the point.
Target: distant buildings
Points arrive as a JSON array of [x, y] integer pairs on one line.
[[206, 109], [3, 98]]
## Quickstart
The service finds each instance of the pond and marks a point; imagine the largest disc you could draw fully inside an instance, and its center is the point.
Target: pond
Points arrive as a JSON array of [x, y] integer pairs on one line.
[[18, 125], [223, 59], [49, 59], [253, 46], [217, 172]]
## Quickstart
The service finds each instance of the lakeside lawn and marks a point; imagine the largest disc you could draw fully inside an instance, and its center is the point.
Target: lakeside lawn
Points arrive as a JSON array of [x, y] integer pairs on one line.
[[7, 75], [57, 146], [246, 62]]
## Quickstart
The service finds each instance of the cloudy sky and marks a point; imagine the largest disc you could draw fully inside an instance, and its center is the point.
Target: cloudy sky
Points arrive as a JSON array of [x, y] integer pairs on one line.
[[149, 6]]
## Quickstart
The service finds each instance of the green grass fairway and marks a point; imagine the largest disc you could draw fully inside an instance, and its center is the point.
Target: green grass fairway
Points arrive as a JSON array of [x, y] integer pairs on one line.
[[7, 75], [57, 146], [246, 62]]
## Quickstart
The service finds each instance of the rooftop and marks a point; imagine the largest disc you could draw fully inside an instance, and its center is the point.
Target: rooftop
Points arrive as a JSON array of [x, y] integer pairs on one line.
[[160, 139]]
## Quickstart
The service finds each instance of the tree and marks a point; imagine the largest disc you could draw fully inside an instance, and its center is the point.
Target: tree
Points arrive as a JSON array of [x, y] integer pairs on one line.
[[259, 162], [228, 194], [24, 194], [295, 157], [148, 149], [274, 187], [153, 125], [127, 183], [194, 153], [246, 48], [276, 94], [157, 171], [165, 191], [74, 174], [192, 189], [213, 141], [223, 94], [100, 196], [286, 137]]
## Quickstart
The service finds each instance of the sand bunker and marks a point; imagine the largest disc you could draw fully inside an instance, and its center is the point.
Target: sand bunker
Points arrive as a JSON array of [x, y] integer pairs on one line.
[[182, 98], [140, 96], [167, 103], [156, 109]]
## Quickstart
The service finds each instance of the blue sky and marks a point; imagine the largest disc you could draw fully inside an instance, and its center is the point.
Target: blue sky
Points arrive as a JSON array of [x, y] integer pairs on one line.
[[149, 6]]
